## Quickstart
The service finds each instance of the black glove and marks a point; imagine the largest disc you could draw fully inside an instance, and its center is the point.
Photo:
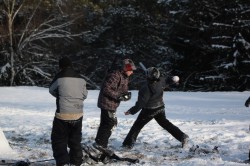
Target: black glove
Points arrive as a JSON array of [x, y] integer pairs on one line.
[[247, 102], [125, 96]]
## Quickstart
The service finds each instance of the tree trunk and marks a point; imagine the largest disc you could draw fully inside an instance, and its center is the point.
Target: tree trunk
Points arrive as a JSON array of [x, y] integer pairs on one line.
[[12, 53]]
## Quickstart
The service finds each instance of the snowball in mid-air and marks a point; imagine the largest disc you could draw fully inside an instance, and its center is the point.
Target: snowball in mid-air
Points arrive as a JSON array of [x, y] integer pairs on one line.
[[176, 78]]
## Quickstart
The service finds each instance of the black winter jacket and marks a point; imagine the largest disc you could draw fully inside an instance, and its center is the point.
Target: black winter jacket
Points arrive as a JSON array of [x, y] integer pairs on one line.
[[150, 96]]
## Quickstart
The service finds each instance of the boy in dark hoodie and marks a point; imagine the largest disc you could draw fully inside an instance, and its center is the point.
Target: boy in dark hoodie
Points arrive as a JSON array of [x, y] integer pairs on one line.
[[150, 102]]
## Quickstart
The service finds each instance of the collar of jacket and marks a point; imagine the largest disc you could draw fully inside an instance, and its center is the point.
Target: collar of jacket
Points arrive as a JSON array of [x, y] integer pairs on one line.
[[124, 73]]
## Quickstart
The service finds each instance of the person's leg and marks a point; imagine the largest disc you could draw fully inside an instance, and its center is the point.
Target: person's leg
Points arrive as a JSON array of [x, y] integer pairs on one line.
[[59, 140], [161, 119], [249, 155], [108, 121], [249, 149], [74, 142], [142, 119]]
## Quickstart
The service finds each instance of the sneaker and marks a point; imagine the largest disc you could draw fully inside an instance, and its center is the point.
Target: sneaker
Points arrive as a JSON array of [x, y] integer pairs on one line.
[[185, 140]]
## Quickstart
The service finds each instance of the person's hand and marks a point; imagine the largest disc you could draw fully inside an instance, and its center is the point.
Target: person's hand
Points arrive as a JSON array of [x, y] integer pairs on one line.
[[247, 102], [125, 96], [127, 113]]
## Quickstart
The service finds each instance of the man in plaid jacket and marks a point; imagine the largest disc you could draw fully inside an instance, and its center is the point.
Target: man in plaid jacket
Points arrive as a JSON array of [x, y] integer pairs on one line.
[[113, 91]]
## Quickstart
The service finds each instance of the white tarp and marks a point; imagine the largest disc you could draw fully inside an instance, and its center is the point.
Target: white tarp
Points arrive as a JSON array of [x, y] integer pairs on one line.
[[5, 150]]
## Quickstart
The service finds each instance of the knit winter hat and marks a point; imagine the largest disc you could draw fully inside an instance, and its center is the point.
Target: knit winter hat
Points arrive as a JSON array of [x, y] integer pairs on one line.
[[65, 62], [128, 65]]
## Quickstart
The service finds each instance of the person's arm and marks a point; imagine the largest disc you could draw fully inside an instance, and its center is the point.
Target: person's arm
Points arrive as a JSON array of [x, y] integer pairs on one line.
[[170, 82], [143, 97], [247, 103], [85, 91], [53, 88], [110, 86]]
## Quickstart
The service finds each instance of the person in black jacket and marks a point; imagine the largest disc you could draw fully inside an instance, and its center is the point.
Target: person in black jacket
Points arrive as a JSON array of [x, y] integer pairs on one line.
[[247, 103], [150, 102], [70, 91]]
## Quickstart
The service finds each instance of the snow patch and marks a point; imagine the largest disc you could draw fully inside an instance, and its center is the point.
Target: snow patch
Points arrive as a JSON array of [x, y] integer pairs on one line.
[[6, 150]]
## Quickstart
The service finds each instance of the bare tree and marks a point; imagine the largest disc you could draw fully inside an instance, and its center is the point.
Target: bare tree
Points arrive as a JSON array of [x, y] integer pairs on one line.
[[31, 42], [11, 13]]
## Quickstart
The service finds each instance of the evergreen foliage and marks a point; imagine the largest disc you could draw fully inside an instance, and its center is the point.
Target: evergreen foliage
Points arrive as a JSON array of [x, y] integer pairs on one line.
[[205, 42]]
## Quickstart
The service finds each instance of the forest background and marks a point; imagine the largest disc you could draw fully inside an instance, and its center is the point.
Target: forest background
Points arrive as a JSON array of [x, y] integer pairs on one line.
[[205, 42]]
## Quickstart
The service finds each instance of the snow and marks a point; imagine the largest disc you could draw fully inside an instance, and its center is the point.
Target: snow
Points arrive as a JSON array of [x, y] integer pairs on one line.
[[3, 68], [209, 118], [220, 46], [6, 150]]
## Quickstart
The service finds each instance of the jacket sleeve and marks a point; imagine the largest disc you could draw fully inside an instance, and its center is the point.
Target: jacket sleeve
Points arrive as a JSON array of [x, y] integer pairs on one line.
[[168, 81], [247, 103], [143, 97], [53, 88], [85, 91], [110, 86]]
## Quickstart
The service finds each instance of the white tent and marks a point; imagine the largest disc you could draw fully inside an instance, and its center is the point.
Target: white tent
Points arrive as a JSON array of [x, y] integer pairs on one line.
[[5, 150]]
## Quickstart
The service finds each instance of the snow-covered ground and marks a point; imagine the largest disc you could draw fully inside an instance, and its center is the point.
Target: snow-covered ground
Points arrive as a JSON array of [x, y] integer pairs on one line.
[[209, 118]]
